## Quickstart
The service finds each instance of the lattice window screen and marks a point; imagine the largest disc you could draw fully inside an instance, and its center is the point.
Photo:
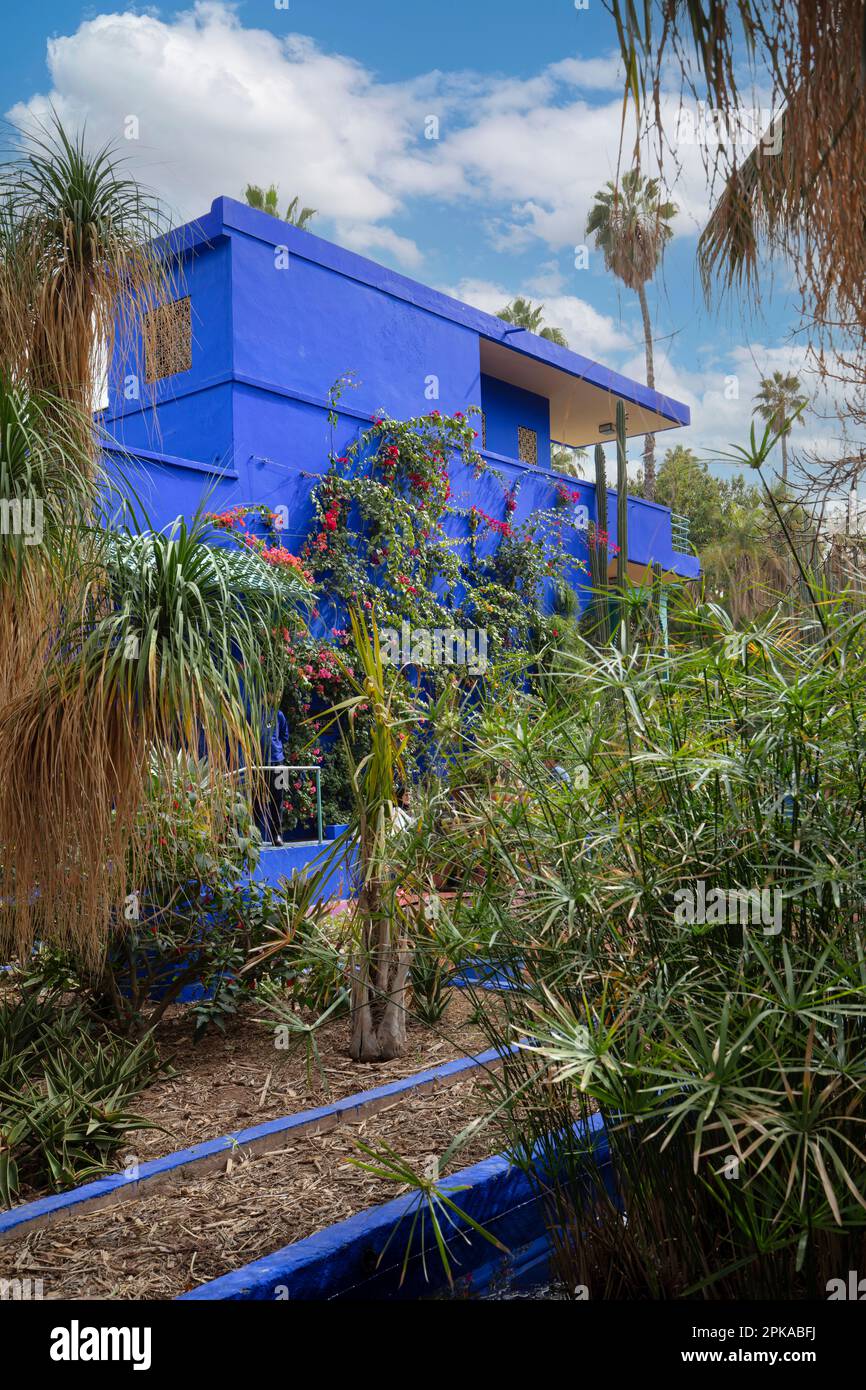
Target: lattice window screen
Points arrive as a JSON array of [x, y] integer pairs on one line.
[[168, 340], [483, 430], [527, 444]]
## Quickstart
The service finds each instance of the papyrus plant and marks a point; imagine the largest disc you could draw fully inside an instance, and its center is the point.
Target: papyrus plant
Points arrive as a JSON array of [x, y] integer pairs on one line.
[[726, 1055]]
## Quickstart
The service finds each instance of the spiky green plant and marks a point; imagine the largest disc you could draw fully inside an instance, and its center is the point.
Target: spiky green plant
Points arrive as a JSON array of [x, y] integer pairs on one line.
[[167, 650], [726, 1055], [65, 1092], [598, 544], [78, 269]]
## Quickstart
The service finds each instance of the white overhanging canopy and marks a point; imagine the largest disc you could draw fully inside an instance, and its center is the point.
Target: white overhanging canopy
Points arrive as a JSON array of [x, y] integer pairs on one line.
[[579, 408]]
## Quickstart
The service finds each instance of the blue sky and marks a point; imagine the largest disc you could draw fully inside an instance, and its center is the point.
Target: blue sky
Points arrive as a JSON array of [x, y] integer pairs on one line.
[[336, 101]]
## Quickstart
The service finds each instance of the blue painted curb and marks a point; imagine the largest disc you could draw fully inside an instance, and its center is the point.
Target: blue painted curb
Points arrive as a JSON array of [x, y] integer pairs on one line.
[[205, 1157], [342, 1261]]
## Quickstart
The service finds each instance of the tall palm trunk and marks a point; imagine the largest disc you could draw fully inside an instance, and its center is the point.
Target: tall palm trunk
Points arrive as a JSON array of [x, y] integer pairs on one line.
[[649, 447], [381, 969], [784, 461]]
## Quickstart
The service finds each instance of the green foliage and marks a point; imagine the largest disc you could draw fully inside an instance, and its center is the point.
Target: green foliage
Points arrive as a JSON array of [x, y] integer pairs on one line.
[[726, 1055], [524, 314], [779, 403], [427, 975], [434, 1216], [631, 223], [383, 536], [267, 201], [192, 920], [65, 1092], [293, 1030]]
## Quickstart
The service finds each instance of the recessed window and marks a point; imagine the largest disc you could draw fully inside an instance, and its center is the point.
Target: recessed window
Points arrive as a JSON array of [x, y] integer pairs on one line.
[[527, 444], [167, 333]]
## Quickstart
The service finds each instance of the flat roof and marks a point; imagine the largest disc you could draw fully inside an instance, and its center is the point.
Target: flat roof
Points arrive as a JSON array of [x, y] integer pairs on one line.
[[582, 393]]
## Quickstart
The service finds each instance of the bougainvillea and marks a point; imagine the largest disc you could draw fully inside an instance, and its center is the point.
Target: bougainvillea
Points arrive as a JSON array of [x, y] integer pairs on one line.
[[388, 534], [379, 533], [236, 520]]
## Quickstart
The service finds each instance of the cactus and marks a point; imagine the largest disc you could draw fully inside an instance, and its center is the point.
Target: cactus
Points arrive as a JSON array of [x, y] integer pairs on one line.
[[598, 552], [659, 606], [622, 519]]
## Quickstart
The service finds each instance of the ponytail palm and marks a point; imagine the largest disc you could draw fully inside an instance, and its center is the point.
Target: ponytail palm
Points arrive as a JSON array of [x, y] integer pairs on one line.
[[166, 651], [77, 268], [46, 489]]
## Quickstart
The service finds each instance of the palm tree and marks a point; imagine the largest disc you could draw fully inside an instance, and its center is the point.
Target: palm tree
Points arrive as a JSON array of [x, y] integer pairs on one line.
[[113, 645], [567, 460], [780, 401], [77, 268], [159, 651], [631, 225], [524, 314], [266, 201]]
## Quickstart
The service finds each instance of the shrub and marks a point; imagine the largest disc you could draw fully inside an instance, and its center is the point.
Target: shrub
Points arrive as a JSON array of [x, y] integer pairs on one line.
[[66, 1088], [721, 1038]]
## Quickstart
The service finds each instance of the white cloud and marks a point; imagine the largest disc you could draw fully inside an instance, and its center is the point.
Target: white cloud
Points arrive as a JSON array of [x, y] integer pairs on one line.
[[220, 105], [588, 331], [721, 396], [591, 74], [369, 239]]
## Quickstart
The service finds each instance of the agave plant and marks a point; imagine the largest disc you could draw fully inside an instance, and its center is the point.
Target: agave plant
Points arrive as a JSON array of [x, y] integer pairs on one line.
[[65, 1092]]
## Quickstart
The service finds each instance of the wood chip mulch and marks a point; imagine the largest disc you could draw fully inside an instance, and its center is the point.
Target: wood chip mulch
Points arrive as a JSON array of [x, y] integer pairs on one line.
[[226, 1083], [178, 1237]]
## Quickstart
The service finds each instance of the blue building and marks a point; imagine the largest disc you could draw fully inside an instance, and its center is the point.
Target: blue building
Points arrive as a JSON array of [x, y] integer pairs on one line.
[[228, 397]]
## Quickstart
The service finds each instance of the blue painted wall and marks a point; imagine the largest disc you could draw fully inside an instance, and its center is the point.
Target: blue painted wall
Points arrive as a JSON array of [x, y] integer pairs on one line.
[[505, 408], [278, 315]]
